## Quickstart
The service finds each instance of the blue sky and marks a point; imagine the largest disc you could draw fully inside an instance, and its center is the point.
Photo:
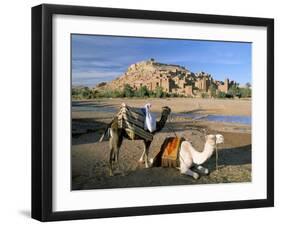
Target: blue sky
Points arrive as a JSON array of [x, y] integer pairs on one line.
[[102, 58]]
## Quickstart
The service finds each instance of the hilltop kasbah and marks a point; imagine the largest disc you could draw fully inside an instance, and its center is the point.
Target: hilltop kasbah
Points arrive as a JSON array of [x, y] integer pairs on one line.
[[173, 79]]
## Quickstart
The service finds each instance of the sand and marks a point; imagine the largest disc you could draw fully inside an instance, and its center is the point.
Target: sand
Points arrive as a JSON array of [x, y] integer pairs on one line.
[[90, 158]]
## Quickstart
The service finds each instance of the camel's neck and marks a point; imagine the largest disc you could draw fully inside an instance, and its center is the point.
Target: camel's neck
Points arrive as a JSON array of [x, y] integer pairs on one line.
[[201, 157], [161, 123]]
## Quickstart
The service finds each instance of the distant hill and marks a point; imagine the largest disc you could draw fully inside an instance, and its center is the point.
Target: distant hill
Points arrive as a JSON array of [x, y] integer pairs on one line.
[[171, 78]]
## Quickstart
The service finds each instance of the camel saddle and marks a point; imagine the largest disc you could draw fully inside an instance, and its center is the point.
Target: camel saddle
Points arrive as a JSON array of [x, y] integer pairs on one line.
[[169, 153], [132, 120]]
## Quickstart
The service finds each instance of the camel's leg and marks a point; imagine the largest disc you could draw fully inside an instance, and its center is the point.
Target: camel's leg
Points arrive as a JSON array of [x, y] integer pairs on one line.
[[144, 155], [113, 147], [111, 156], [146, 149], [141, 160], [202, 170], [189, 172], [119, 143]]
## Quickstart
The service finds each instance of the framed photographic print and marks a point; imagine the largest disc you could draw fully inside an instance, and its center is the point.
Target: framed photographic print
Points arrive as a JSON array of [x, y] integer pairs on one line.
[[145, 112]]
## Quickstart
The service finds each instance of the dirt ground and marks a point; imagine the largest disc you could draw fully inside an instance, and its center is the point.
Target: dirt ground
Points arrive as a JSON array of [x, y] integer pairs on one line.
[[90, 158]]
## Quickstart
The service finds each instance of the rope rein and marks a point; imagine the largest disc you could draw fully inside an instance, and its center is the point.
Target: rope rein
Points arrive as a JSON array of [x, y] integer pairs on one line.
[[217, 156], [171, 130]]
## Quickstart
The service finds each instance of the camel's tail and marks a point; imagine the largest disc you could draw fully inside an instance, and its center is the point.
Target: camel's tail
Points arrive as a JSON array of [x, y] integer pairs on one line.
[[106, 131], [104, 134]]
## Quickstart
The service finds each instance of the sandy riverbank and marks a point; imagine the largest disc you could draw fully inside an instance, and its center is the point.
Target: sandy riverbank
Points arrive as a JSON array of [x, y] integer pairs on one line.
[[90, 158]]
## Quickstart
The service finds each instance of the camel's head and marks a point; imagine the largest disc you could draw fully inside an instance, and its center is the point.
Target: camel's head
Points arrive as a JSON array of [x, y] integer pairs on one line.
[[214, 139], [219, 139], [166, 110]]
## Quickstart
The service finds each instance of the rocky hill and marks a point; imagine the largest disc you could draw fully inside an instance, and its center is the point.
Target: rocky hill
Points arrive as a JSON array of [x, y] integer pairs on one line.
[[145, 71], [171, 78]]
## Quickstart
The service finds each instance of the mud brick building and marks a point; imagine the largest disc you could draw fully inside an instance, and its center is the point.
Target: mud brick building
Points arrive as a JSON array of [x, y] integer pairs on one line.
[[171, 78]]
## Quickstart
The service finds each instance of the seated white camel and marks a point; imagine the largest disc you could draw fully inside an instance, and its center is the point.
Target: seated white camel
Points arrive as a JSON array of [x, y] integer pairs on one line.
[[190, 157]]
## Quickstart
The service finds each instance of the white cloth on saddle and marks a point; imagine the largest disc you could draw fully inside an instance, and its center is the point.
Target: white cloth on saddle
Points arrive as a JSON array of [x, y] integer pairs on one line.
[[150, 119]]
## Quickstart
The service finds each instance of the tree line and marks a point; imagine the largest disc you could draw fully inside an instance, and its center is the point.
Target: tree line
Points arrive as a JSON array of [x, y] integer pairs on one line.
[[143, 91], [127, 91], [234, 91]]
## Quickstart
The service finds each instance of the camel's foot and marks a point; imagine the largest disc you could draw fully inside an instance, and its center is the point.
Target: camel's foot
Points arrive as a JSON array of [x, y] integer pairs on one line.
[[206, 171], [149, 163], [141, 161], [202, 170], [196, 176], [191, 173]]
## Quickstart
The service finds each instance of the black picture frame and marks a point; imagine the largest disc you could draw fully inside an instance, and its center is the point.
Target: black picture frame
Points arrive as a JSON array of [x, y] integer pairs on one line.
[[42, 111]]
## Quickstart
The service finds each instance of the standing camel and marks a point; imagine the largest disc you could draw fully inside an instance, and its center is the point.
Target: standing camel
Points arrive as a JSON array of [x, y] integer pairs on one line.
[[118, 134]]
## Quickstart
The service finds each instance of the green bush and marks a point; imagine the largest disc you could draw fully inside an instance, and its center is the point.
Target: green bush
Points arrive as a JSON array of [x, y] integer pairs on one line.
[[159, 92], [151, 94], [173, 95], [82, 93], [128, 91], [221, 94], [204, 95], [117, 94], [234, 91], [213, 90], [142, 92], [246, 92], [165, 95], [86, 93]]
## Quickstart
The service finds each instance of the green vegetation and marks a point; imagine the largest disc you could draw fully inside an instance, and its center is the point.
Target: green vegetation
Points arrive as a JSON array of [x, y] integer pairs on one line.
[[79, 93], [82, 93], [204, 95], [213, 90], [246, 92], [142, 92], [234, 91], [128, 91], [221, 94], [159, 92]]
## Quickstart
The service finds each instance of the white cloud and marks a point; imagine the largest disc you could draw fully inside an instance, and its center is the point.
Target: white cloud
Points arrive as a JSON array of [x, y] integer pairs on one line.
[[91, 78]]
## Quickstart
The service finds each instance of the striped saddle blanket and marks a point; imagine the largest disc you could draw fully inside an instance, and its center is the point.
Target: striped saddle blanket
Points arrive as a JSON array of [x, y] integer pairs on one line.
[[169, 153], [132, 120]]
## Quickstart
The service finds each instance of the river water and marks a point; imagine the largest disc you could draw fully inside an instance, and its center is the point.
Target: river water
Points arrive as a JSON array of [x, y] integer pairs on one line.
[[216, 118], [247, 120]]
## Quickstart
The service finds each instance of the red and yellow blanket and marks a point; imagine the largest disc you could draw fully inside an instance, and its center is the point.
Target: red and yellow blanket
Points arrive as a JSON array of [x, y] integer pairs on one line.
[[168, 155]]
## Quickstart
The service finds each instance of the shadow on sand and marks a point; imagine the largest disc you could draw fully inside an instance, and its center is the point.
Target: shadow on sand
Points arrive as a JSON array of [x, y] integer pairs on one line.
[[88, 128], [235, 156], [91, 127], [235, 159]]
